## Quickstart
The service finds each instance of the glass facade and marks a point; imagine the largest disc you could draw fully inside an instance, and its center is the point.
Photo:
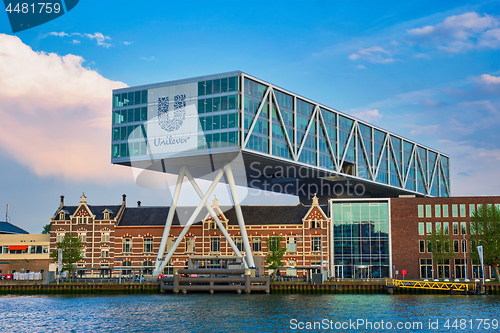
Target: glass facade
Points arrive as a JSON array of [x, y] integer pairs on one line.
[[235, 109], [361, 238]]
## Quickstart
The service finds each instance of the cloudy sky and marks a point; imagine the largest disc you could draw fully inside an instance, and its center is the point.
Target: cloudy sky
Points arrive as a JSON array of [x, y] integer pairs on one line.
[[429, 71]]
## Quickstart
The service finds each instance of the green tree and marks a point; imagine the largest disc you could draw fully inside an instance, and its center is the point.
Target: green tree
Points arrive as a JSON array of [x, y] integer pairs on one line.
[[439, 245], [71, 250], [46, 229], [275, 252], [485, 230]]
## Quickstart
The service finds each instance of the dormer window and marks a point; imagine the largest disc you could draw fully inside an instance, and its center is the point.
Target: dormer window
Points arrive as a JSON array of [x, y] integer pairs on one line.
[[106, 215], [62, 216]]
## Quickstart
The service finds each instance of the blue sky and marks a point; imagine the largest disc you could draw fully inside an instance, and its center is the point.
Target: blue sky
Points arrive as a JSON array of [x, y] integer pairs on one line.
[[426, 70]]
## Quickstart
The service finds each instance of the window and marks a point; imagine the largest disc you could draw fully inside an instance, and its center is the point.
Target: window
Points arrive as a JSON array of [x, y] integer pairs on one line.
[[421, 228], [35, 249], [126, 271], [239, 243], [454, 209], [455, 228], [456, 248], [437, 208], [422, 246], [464, 246], [105, 237], [291, 243], [428, 226], [438, 227], [446, 228], [445, 210], [315, 243], [5, 249], [45, 249], [82, 236], [148, 245], [429, 246], [104, 253], [315, 224], [444, 269], [190, 244], [215, 244], [127, 245], [82, 220], [463, 227], [60, 236], [106, 215], [460, 265], [83, 252], [256, 244], [62, 216], [420, 210], [472, 209], [462, 210], [426, 268], [428, 211], [169, 245]]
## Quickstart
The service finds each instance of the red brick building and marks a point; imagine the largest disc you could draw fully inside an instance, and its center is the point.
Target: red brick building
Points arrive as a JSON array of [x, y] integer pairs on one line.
[[413, 219], [121, 236]]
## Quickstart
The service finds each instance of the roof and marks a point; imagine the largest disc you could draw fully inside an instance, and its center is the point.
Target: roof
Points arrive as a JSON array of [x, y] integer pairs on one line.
[[253, 215], [151, 216], [9, 228], [95, 210]]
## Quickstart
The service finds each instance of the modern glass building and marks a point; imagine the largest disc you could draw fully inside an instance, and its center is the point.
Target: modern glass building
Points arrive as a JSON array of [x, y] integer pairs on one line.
[[360, 236], [284, 138]]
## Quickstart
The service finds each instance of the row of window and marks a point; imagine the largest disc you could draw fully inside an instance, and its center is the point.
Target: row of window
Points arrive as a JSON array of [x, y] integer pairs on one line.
[[83, 237], [130, 115], [31, 249], [444, 270], [459, 228], [443, 210], [130, 98], [256, 244], [221, 103], [218, 86], [426, 245]]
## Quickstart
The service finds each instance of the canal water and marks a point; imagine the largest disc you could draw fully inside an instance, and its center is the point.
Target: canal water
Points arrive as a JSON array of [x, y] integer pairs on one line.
[[249, 313]]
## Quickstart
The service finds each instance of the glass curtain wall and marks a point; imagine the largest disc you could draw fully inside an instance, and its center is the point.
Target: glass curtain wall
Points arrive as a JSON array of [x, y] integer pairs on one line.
[[361, 239]]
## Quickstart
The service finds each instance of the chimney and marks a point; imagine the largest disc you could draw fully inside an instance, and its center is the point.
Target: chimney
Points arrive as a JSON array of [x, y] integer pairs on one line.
[[124, 196], [62, 201], [139, 203]]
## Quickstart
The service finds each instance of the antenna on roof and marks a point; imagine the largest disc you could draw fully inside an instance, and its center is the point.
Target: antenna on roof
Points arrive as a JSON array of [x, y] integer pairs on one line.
[[7, 214]]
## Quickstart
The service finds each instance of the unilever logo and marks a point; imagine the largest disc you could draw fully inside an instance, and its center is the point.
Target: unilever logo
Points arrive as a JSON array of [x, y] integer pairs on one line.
[[166, 120]]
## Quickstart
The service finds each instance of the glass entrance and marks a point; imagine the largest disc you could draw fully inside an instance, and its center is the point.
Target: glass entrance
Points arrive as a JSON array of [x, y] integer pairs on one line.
[[361, 272]]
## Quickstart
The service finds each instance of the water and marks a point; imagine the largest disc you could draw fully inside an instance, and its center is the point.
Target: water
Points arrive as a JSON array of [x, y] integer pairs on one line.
[[244, 313]]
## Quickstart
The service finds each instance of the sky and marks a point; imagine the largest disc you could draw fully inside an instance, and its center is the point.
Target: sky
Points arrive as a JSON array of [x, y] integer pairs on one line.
[[426, 70]]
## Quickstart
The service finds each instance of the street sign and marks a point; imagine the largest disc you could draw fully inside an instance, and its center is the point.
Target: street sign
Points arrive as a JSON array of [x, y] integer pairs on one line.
[[403, 271]]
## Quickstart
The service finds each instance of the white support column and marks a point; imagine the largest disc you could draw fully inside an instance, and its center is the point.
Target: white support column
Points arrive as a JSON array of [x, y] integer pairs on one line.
[[168, 222], [192, 219], [239, 214], [216, 218]]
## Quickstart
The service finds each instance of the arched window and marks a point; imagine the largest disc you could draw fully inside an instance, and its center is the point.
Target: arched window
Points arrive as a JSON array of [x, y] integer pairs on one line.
[[147, 267]]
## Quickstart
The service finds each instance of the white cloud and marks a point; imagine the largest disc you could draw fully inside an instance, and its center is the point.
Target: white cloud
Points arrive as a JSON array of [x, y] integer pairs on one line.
[[98, 37], [148, 59], [460, 33], [489, 79], [422, 56], [75, 41], [127, 43], [55, 114], [368, 116], [361, 67], [375, 54]]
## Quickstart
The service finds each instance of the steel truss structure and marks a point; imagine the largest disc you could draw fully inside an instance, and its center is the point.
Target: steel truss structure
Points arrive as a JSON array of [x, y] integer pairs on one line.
[[162, 262], [409, 161]]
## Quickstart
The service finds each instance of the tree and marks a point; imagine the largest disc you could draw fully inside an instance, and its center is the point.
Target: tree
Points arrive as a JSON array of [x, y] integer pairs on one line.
[[71, 250], [439, 245], [275, 252], [485, 230], [46, 229]]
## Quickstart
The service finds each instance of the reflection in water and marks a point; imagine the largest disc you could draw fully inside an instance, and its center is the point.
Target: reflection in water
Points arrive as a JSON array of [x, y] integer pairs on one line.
[[230, 313]]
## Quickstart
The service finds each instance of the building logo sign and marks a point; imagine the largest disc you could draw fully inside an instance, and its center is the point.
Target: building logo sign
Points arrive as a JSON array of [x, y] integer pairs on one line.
[[171, 121]]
